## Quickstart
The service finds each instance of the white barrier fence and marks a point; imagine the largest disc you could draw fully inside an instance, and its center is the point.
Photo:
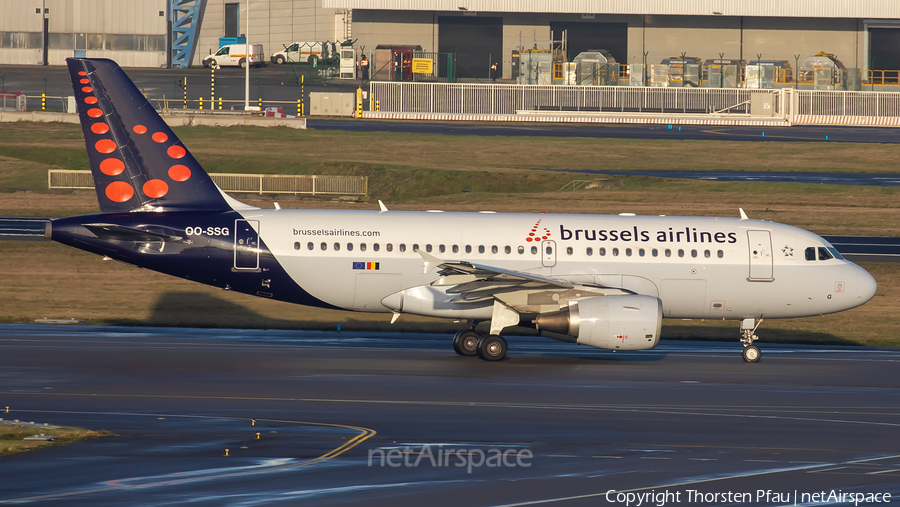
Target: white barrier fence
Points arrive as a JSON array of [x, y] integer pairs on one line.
[[249, 183], [803, 107], [462, 98]]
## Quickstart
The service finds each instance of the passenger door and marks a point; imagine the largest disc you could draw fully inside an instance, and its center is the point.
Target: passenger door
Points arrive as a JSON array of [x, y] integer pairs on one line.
[[246, 244], [760, 256]]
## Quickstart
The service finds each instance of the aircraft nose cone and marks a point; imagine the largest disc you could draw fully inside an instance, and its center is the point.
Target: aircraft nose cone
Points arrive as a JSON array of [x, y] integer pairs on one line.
[[866, 285]]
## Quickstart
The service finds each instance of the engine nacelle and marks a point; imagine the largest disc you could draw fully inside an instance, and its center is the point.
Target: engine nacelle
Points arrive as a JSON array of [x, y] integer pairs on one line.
[[630, 322]]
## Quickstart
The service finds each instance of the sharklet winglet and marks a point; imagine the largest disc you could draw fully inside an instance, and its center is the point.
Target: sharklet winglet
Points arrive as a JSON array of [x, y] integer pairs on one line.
[[743, 215], [382, 206]]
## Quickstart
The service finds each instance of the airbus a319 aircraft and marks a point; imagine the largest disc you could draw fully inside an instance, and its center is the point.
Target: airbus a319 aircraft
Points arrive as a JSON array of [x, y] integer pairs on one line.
[[598, 280]]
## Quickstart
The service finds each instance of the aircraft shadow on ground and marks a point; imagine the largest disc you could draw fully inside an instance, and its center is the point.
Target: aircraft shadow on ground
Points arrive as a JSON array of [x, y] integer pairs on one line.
[[770, 335]]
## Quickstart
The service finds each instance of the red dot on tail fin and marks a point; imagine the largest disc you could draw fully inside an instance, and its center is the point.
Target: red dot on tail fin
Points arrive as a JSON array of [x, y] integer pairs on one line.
[[99, 128], [179, 172], [90, 100], [155, 188], [94, 112], [87, 89], [160, 137], [139, 129], [176, 151], [112, 167], [105, 146], [119, 191]]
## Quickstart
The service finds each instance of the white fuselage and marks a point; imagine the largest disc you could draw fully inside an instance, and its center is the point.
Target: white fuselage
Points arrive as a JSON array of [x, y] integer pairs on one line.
[[717, 268]]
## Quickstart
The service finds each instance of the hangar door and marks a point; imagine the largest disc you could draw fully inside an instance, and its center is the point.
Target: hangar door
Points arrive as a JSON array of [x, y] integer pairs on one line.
[[475, 40], [612, 37], [884, 49]]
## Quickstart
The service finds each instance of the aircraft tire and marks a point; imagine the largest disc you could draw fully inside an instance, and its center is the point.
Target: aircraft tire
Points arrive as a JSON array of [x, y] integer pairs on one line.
[[465, 342], [751, 354], [492, 347]]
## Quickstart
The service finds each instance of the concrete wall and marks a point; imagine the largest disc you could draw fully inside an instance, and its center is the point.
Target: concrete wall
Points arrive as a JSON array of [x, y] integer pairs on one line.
[[273, 23]]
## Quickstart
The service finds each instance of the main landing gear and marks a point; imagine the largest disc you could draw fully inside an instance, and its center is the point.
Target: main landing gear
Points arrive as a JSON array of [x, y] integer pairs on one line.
[[751, 353], [490, 347]]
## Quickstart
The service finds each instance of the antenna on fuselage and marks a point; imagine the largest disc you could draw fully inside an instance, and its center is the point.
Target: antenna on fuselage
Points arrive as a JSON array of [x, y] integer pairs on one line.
[[382, 206], [743, 215]]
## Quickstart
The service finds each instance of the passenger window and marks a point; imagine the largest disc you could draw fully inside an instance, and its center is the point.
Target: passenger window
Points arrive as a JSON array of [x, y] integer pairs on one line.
[[389, 247], [693, 253], [494, 249], [521, 250], [415, 247], [824, 254], [324, 246], [310, 246], [362, 247], [549, 250], [811, 253], [590, 251], [507, 249], [337, 246], [602, 251], [428, 248], [654, 252], [376, 247], [668, 252], [628, 252], [455, 249], [480, 248], [615, 252], [534, 250], [569, 250], [641, 252], [720, 254], [349, 247], [680, 252], [297, 246], [706, 254], [442, 248], [402, 247], [468, 248]]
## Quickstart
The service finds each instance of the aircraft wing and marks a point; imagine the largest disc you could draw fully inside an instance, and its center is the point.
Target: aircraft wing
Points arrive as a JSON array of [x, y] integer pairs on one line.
[[477, 282]]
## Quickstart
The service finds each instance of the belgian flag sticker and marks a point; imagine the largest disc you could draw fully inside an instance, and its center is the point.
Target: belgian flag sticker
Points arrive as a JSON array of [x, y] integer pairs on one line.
[[367, 265]]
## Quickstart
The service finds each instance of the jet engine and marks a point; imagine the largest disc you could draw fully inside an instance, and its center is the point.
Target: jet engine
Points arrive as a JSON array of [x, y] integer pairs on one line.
[[629, 322]]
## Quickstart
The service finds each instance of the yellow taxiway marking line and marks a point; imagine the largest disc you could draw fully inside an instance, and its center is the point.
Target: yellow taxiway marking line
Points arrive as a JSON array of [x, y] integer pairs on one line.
[[884, 471], [365, 434]]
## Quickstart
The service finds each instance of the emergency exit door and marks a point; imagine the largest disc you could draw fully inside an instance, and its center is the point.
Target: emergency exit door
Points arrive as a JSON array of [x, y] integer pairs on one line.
[[246, 244], [548, 254], [760, 256]]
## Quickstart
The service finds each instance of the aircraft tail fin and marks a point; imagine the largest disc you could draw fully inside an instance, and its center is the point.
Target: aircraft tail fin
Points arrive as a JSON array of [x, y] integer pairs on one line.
[[137, 162]]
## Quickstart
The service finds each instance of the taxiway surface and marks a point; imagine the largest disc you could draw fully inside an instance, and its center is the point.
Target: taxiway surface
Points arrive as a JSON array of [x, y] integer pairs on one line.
[[686, 416]]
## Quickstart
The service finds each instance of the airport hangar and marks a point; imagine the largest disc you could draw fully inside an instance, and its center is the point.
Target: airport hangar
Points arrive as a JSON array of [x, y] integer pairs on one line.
[[860, 33], [148, 33]]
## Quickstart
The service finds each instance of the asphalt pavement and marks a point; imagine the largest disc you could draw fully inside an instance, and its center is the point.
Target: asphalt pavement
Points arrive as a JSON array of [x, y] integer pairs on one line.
[[319, 418]]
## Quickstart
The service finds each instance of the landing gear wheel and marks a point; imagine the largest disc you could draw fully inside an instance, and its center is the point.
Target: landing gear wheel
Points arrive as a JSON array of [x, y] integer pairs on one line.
[[465, 342], [751, 354], [492, 347]]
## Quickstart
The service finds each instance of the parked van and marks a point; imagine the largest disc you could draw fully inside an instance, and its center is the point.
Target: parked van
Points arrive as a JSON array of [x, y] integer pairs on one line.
[[235, 55], [307, 52]]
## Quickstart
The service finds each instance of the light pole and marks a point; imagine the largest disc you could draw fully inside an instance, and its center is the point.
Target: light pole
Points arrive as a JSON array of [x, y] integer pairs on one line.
[[249, 52]]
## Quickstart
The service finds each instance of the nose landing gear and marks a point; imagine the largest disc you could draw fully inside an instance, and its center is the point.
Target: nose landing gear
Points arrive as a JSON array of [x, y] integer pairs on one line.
[[751, 353]]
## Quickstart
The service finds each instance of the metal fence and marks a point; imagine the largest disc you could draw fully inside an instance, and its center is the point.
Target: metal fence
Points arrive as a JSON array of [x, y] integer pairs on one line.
[[852, 104], [459, 98], [249, 183]]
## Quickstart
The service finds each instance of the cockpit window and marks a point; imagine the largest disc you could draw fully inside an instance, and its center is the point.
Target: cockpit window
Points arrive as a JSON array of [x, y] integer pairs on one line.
[[824, 254], [835, 253], [811, 253]]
